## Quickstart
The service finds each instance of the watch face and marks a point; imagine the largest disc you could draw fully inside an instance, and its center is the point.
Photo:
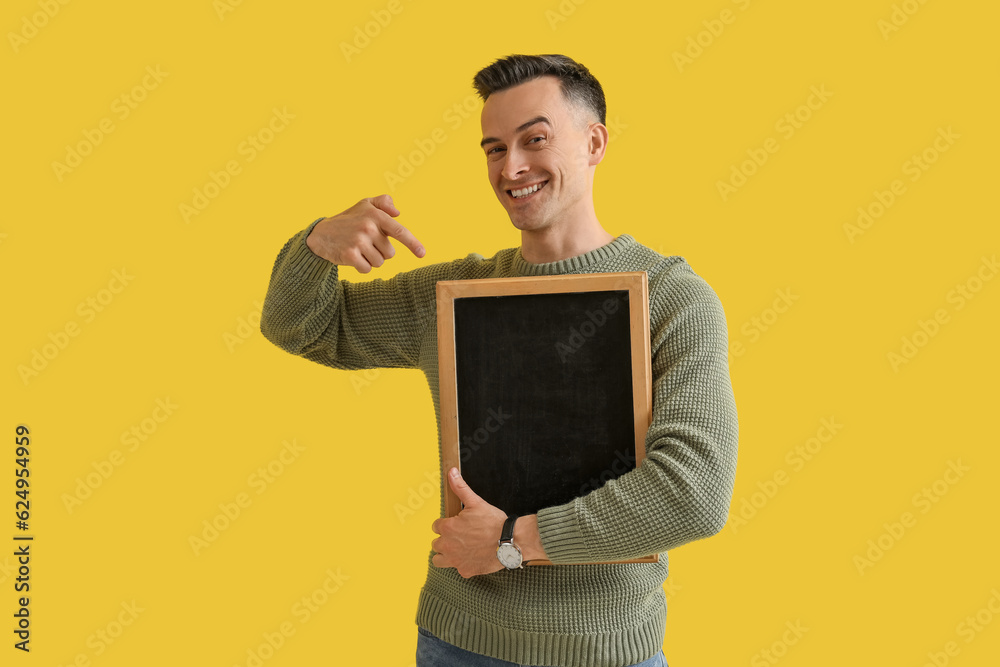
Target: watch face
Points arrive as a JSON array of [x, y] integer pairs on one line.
[[509, 556]]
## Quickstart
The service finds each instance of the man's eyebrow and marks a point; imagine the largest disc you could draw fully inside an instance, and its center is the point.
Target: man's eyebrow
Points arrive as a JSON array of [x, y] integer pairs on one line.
[[520, 128]]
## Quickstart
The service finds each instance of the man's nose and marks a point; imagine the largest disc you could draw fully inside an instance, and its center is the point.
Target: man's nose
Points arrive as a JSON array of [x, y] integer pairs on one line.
[[514, 164]]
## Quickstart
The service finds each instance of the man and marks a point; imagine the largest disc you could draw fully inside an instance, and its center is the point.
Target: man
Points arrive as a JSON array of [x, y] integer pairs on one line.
[[544, 134]]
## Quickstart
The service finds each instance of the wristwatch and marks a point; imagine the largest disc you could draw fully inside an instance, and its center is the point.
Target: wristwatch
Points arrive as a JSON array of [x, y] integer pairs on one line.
[[508, 553]]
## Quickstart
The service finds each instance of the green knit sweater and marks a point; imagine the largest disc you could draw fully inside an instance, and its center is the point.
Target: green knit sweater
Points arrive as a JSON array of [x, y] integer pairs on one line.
[[566, 614]]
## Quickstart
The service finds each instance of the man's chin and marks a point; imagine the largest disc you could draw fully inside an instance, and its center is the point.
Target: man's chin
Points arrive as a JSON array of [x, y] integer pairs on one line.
[[523, 222], [523, 219]]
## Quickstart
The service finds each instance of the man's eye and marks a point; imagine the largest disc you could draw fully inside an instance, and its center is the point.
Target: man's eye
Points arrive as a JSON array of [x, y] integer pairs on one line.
[[533, 139], [494, 149]]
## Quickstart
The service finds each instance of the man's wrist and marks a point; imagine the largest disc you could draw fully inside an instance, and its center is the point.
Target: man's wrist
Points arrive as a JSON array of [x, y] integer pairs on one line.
[[527, 539], [312, 241]]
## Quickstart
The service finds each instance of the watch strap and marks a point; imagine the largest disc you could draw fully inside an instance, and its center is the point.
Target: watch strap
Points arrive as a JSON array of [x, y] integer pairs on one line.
[[507, 534]]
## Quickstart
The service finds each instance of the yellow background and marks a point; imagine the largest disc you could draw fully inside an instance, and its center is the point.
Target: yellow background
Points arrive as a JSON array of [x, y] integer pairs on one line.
[[184, 327]]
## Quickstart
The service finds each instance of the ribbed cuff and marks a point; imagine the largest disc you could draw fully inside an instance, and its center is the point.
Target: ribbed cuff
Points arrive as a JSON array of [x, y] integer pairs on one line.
[[561, 536], [303, 261]]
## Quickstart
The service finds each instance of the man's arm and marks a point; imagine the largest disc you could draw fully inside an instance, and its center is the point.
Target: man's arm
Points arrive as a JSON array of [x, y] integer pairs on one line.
[[683, 488], [308, 311]]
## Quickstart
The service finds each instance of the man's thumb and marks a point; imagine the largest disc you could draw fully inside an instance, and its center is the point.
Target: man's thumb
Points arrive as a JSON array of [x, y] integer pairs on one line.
[[461, 489]]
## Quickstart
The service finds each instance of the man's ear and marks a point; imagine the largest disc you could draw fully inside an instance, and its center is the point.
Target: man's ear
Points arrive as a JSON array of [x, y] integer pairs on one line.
[[597, 135]]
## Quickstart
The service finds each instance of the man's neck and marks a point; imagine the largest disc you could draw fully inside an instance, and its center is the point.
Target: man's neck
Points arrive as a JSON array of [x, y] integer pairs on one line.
[[552, 245]]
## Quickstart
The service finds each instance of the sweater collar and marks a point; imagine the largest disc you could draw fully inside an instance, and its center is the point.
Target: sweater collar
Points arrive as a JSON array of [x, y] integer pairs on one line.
[[584, 263]]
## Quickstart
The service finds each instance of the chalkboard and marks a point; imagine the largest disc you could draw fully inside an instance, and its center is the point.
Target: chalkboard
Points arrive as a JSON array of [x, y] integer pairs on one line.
[[545, 385]]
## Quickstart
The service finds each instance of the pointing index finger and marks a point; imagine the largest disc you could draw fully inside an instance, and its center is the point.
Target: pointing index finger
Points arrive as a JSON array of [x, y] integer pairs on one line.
[[394, 229]]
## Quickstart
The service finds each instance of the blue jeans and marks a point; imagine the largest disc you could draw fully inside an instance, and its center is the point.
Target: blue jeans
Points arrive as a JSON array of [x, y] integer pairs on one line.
[[434, 652]]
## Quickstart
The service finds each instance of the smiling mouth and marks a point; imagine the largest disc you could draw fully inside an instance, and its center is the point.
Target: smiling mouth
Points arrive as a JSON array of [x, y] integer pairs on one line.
[[522, 193]]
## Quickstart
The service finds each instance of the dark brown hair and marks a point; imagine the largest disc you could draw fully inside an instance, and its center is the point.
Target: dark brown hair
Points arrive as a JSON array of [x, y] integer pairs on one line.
[[578, 84]]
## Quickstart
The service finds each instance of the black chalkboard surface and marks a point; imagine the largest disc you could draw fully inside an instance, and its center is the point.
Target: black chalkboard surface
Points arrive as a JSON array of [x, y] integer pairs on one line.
[[544, 385]]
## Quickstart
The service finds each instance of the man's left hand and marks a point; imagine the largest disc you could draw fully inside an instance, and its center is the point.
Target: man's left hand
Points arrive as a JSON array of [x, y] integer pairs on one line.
[[468, 540]]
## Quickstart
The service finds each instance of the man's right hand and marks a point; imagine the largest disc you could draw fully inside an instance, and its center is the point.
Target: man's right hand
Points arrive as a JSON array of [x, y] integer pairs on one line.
[[359, 236]]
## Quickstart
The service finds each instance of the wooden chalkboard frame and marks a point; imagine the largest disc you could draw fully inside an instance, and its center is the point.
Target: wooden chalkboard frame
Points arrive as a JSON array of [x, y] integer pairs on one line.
[[634, 283]]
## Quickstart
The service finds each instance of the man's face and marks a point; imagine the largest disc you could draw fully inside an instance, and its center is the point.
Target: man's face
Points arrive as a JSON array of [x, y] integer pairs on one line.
[[537, 140]]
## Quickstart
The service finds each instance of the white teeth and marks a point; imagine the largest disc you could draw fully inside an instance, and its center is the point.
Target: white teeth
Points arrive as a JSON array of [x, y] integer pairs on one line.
[[523, 192]]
